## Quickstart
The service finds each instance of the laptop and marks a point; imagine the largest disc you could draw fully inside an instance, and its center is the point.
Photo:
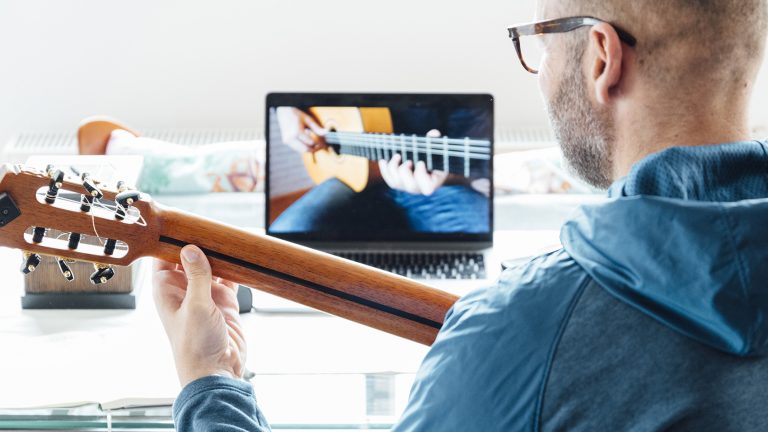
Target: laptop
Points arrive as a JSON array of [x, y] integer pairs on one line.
[[401, 182]]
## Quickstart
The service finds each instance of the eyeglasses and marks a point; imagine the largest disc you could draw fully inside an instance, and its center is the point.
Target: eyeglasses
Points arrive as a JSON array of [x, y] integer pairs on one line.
[[531, 52]]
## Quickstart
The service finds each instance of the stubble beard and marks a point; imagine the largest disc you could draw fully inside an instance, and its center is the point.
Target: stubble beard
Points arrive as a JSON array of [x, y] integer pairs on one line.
[[585, 134]]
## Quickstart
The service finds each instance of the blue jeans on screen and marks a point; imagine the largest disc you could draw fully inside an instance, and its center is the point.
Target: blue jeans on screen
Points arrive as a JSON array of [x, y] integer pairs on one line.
[[332, 205]]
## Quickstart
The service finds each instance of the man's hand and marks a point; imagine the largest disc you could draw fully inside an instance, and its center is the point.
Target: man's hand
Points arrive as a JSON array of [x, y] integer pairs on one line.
[[299, 130], [407, 178], [201, 318]]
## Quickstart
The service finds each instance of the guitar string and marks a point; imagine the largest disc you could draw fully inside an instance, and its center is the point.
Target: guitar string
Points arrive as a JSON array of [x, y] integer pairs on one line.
[[139, 218], [370, 143], [129, 212], [480, 143], [451, 154], [410, 146], [435, 144]]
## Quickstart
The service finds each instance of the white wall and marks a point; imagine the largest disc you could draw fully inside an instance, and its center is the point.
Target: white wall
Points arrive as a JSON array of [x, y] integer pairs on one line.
[[197, 63]]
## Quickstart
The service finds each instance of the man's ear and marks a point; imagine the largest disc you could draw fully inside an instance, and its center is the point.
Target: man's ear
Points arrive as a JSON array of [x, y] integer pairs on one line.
[[606, 71]]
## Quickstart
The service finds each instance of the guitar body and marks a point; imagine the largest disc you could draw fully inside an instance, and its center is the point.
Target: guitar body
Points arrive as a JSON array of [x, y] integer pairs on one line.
[[354, 171]]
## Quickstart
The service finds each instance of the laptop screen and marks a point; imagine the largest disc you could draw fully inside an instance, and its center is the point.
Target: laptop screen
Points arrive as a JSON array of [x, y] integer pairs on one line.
[[379, 167]]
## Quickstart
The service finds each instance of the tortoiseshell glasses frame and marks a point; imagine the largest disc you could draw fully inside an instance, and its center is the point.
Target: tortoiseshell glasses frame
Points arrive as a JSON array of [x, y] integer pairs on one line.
[[559, 25]]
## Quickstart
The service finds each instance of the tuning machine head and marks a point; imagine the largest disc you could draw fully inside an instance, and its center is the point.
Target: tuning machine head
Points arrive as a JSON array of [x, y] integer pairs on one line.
[[38, 234], [102, 274], [74, 240], [124, 201], [86, 202], [57, 180], [109, 246], [66, 271], [30, 262], [90, 186]]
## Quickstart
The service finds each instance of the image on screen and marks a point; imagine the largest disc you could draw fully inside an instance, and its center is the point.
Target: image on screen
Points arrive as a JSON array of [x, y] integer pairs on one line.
[[380, 167]]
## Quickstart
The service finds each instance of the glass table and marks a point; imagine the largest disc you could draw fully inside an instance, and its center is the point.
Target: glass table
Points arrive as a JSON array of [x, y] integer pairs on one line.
[[325, 402]]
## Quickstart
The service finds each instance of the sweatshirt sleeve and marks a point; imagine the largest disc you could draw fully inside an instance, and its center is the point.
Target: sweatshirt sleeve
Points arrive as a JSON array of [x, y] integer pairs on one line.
[[215, 403]]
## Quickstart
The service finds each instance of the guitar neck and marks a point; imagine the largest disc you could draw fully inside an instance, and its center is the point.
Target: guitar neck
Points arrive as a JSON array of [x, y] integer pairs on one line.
[[334, 285], [461, 156]]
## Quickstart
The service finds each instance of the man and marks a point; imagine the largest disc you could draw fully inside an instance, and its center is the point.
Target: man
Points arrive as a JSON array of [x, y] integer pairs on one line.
[[652, 317]]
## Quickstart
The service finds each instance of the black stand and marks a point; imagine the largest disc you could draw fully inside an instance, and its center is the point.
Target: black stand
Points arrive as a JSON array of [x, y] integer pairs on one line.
[[79, 301]]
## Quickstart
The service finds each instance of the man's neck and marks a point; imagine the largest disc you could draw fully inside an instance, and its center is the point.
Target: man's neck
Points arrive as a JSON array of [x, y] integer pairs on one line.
[[638, 139]]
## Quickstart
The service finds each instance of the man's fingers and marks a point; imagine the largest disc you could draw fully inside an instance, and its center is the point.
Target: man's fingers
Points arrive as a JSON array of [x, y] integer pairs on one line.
[[312, 140], [229, 283], [405, 174], [160, 265], [305, 139], [439, 178], [198, 272], [423, 179], [316, 128], [394, 175], [384, 170], [297, 145], [168, 293]]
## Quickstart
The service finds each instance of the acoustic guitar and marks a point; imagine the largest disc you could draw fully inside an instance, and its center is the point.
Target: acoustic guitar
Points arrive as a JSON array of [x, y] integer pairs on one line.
[[129, 225], [360, 136]]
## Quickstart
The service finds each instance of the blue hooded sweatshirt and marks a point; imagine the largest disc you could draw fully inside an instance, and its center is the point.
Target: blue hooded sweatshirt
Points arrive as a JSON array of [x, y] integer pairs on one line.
[[652, 317]]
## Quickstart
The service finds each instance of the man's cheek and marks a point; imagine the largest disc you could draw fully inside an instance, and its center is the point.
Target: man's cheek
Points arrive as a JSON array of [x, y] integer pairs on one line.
[[547, 82], [551, 71]]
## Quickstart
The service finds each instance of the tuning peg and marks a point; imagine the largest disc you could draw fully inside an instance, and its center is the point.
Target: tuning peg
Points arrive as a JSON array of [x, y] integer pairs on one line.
[[86, 202], [124, 201], [57, 179], [38, 234], [31, 261], [90, 186], [109, 247], [66, 271], [74, 240], [121, 186], [102, 274]]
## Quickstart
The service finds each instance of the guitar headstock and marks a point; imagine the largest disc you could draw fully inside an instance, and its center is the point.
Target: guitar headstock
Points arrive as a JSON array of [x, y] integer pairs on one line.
[[70, 217]]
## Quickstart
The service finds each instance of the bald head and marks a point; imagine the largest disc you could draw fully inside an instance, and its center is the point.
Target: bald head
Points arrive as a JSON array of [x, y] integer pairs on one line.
[[686, 42], [687, 81]]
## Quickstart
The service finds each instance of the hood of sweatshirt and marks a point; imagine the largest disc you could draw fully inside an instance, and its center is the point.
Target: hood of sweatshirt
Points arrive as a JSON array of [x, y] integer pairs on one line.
[[684, 239]]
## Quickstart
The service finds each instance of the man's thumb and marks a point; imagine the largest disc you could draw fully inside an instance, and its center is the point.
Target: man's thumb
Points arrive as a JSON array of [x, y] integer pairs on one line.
[[198, 272]]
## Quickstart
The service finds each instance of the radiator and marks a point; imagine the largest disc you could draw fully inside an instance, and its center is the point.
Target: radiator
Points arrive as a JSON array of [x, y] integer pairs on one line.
[[23, 145]]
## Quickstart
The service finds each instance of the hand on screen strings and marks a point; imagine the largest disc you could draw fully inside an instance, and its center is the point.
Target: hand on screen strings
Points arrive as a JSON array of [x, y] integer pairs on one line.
[[299, 130], [407, 177]]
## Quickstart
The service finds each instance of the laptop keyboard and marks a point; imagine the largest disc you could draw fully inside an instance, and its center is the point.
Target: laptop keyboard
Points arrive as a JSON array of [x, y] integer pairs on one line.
[[423, 265]]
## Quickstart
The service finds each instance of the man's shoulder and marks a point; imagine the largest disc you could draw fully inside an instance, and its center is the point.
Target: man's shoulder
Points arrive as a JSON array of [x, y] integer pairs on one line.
[[487, 368], [535, 284], [528, 304]]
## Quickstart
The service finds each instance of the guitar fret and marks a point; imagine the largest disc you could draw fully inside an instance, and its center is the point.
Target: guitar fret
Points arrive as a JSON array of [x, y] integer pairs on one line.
[[429, 154], [382, 145], [466, 157], [415, 152], [371, 152], [446, 168]]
